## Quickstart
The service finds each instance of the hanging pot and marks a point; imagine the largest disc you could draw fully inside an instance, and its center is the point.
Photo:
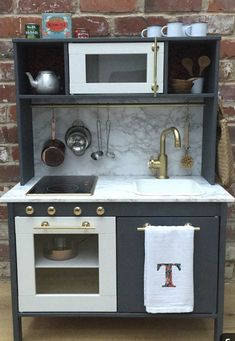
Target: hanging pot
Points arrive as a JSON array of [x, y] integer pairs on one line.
[[53, 150], [78, 138]]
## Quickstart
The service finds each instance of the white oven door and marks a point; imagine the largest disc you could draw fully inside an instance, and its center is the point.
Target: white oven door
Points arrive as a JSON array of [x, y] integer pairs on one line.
[[103, 68], [66, 263]]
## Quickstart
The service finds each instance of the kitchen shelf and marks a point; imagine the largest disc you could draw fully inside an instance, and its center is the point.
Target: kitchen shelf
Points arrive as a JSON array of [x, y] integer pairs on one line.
[[87, 257], [125, 99]]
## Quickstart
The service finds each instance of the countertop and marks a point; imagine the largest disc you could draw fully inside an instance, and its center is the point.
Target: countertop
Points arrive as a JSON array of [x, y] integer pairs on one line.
[[120, 189]]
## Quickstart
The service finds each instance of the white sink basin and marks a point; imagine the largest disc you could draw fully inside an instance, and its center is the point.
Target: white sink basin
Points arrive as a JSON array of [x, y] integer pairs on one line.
[[171, 187]]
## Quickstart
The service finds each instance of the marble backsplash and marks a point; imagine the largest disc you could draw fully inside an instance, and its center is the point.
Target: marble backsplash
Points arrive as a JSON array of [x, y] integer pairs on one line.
[[135, 136]]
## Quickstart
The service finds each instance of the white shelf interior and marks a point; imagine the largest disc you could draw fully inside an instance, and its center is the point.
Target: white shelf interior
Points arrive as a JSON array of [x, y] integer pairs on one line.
[[87, 256]]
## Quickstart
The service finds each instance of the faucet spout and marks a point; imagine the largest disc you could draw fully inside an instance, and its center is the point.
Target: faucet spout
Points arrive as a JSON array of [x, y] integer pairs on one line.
[[164, 133], [161, 162]]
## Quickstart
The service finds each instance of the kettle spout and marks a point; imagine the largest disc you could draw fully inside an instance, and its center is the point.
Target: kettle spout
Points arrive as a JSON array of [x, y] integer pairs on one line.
[[31, 80]]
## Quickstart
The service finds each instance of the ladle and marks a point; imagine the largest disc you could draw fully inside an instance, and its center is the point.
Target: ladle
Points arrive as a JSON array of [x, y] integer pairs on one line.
[[203, 62], [188, 64], [109, 154], [99, 153]]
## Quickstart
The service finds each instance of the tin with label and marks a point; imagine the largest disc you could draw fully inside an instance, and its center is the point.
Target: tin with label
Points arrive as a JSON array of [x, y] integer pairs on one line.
[[32, 31], [81, 33]]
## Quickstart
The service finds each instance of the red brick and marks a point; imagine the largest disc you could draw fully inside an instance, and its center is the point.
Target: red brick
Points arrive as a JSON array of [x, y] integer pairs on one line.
[[15, 153], [108, 6], [8, 134], [221, 6], [227, 92], [6, 6], [227, 49], [227, 70], [173, 5], [4, 154], [9, 173], [3, 113], [6, 72], [7, 113], [129, 26], [6, 49], [157, 20], [219, 24], [4, 252], [97, 26], [7, 93], [12, 115], [11, 27], [38, 6], [3, 212], [229, 111]]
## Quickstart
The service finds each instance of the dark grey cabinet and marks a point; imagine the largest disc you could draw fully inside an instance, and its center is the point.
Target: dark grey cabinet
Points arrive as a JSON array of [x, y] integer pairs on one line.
[[130, 261], [208, 254]]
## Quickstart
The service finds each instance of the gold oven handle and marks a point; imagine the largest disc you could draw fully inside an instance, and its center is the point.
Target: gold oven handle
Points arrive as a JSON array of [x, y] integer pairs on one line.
[[86, 225], [155, 87]]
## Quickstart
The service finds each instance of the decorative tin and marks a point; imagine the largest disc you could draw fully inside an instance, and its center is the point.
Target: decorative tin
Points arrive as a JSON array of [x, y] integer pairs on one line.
[[32, 31], [56, 25], [81, 33]]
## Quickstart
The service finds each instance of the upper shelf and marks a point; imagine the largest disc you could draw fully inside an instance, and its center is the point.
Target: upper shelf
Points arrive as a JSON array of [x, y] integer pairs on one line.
[[35, 55], [209, 37]]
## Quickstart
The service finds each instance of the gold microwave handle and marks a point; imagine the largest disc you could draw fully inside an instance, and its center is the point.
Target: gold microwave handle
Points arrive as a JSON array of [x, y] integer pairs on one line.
[[155, 87]]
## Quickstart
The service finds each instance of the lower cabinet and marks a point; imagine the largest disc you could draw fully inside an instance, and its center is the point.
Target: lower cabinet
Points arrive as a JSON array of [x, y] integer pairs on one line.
[[130, 261], [107, 275]]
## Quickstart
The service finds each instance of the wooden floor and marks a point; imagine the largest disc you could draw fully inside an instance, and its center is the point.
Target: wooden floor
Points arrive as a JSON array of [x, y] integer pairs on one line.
[[113, 329]]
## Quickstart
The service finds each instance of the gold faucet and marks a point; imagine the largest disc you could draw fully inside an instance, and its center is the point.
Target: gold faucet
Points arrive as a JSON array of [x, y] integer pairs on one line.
[[161, 162]]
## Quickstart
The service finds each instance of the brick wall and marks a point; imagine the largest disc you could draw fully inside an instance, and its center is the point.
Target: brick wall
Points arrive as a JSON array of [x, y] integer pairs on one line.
[[105, 18]]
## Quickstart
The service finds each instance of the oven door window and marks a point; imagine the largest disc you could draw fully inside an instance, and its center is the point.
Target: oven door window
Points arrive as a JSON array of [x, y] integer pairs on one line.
[[66, 264], [116, 68]]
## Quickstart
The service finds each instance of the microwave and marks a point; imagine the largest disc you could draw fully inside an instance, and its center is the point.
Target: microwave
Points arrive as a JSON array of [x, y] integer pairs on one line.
[[116, 68]]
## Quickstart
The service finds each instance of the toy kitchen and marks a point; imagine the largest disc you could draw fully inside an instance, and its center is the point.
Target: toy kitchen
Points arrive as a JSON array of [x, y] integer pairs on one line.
[[97, 225]]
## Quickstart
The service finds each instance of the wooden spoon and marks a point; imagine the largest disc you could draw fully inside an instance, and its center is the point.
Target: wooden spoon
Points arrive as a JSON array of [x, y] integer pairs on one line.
[[203, 62], [188, 64]]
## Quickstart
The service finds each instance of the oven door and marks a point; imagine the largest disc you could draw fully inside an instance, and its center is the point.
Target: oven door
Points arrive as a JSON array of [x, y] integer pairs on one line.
[[115, 68], [66, 263]]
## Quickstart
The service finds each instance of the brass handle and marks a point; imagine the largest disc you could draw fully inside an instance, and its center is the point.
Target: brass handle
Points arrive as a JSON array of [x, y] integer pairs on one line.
[[29, 210], [45, 223], [154, 86], [51, 210], [142, 228], [100, 211], [86, 224], [77, 211]]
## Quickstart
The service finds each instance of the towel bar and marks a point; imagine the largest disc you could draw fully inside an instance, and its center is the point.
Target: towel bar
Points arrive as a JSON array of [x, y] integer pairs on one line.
[[142, 228]]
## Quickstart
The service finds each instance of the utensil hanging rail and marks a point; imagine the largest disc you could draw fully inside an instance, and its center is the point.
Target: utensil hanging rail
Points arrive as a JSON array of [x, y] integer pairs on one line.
[[132, 105]]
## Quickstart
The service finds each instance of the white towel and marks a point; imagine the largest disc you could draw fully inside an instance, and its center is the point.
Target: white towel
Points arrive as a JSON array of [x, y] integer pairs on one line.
[[168, 269]]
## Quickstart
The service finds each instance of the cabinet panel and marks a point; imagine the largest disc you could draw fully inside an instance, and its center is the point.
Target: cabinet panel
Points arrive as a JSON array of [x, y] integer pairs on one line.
[[130, 261]]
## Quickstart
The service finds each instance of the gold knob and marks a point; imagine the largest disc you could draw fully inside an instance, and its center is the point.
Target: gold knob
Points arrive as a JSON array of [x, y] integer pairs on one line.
[[29, 210], [100, 210], [45, 223], [51, 210], [86, 224], [77, 211]]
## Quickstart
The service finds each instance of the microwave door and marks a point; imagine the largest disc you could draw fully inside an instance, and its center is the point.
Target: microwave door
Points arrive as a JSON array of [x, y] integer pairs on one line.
[[114, 68]]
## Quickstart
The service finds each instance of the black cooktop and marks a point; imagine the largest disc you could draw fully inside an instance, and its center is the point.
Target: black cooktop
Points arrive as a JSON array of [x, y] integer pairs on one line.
[[83, 185]]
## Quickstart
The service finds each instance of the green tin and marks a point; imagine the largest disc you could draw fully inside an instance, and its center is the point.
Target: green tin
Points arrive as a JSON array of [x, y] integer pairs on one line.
[[32, 31]]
